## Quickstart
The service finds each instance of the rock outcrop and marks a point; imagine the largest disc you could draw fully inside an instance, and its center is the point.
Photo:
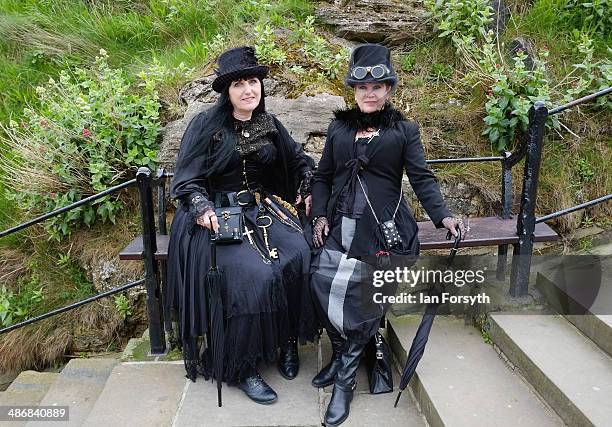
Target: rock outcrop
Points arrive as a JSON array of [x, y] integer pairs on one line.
[[391, 22], [305, 118]]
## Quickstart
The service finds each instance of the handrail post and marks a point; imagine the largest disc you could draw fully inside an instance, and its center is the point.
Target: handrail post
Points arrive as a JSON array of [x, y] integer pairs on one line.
[[506, 212], [161, 224], [154, 306], [525, 226]]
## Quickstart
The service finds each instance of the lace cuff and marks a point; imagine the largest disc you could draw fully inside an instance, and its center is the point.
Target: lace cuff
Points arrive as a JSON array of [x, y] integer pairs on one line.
[[198, 205], [305, 187]]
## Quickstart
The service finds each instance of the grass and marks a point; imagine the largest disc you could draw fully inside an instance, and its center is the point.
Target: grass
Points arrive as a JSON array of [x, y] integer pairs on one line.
[[38, 38]]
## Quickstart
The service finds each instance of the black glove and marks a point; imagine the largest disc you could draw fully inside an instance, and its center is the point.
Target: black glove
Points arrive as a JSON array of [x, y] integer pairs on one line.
[[320, 230]]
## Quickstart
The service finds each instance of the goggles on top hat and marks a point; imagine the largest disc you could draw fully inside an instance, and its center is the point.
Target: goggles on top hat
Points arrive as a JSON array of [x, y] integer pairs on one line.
[[376, 71]]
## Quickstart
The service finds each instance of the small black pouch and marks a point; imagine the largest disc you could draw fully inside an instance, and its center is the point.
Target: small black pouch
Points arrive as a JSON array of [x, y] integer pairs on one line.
[[378, 364], [231, 226], [390, 234]]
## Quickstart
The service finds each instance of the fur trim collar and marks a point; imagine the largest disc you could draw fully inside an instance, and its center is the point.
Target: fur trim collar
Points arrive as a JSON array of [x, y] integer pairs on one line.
[[355, 119]]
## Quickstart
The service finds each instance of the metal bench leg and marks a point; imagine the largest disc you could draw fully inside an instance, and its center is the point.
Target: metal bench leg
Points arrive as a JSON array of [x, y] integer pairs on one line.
[[502, 260]]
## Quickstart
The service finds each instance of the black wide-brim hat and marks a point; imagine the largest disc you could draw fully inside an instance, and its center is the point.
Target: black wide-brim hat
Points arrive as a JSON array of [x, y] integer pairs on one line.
[[370, 55], [237, 63]]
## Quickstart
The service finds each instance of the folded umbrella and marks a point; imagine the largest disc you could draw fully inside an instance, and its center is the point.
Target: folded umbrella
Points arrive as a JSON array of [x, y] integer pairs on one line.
[[214, 282], [422, 334]]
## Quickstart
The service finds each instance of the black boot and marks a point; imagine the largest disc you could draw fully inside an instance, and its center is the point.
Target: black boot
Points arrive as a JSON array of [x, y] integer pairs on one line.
[[327, 375], [289, 361], [257, 389], [340, 402]]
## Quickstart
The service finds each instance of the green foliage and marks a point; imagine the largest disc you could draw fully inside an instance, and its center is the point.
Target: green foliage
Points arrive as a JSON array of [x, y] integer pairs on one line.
[[266, 49], [305, 53], [467, 18], [589, 76], [584, 170], [91, 131], [318, 51], [408, 62], [16, 307], [79, 287], [122, 304], [594, 16], [512, 93], [441, 72]]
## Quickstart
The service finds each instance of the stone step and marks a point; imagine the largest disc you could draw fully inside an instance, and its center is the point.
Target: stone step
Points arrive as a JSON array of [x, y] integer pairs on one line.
[[585, 301], [78, 387], [157, 393], [598, 327], [462, 381], [564, 366], [27, 389], [297, 404], [139, 394]]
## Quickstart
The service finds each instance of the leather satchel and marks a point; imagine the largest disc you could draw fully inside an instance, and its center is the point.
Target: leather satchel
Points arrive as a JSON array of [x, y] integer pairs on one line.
[[378, 364], [231, 224]]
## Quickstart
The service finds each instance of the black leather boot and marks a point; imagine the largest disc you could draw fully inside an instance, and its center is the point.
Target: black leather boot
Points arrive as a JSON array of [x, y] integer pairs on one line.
[[340, 402], [289, 361], [327, 375], [257, 389]]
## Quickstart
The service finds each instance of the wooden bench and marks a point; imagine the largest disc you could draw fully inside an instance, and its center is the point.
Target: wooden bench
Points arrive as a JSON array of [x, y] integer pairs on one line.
[[485, 231]]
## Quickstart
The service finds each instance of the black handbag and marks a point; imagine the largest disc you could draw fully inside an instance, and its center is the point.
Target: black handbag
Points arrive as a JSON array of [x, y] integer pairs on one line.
[[378, 364], [388, 229], [231, 223]]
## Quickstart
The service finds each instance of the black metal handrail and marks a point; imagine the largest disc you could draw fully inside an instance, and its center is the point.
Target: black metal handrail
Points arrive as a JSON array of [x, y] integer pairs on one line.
[[573, 209], [71, 306], [526, 222], [130, 183], [144, 182], [580, 101]]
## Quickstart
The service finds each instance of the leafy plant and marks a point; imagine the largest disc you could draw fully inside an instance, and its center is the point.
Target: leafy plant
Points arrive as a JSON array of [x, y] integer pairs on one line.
[[91, 131], [590, 15], [122, 304], [584, 170], [318, 51], [16, 307], [466, 18], [441, 72], [266, 50], [408, 62]]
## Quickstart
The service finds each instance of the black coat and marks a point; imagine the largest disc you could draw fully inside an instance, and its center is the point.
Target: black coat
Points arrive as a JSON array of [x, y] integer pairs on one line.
[[398, 147]]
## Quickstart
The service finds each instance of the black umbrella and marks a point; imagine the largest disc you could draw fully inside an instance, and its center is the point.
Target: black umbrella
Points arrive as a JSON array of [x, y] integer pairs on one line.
[[214, 282], [422, 334]]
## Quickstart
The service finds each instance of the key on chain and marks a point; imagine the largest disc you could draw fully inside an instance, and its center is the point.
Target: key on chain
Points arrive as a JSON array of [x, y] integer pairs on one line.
[[264, 228]]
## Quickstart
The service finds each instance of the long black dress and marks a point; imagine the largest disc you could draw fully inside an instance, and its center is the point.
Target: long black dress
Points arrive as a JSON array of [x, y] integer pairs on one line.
[[266, 300], [339, 273]]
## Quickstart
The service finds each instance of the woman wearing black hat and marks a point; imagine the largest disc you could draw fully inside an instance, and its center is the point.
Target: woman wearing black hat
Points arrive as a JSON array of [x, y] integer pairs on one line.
[[360, 211], [238, 156]]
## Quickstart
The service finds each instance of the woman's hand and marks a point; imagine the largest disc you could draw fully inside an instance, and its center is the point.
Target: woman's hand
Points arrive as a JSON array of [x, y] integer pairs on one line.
[[307, 202], [320, 231], [451, 224], [207, 219]]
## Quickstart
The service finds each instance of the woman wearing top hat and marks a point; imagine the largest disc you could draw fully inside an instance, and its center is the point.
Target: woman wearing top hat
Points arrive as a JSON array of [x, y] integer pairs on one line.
[[356, 193], [236, 154]]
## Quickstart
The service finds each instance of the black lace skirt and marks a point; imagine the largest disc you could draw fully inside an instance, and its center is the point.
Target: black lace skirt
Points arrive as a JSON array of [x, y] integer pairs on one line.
[[264, 303]]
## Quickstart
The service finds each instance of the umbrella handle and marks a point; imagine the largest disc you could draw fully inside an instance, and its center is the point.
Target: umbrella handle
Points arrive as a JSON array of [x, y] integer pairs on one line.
[[455, 247], [213, 246]]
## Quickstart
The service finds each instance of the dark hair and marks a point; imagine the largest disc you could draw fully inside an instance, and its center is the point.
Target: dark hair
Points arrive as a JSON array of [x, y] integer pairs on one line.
[[220, 119]]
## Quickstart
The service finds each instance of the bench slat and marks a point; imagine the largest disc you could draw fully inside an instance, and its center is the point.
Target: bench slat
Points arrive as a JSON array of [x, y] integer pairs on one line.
[[488, 231]]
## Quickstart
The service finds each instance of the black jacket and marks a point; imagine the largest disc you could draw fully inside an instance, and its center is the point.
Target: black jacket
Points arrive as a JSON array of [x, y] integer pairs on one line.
[[398, 147]]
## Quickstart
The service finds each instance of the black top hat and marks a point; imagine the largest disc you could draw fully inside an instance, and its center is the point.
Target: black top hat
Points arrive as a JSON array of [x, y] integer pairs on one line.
[[370, 63], [235, 64]]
